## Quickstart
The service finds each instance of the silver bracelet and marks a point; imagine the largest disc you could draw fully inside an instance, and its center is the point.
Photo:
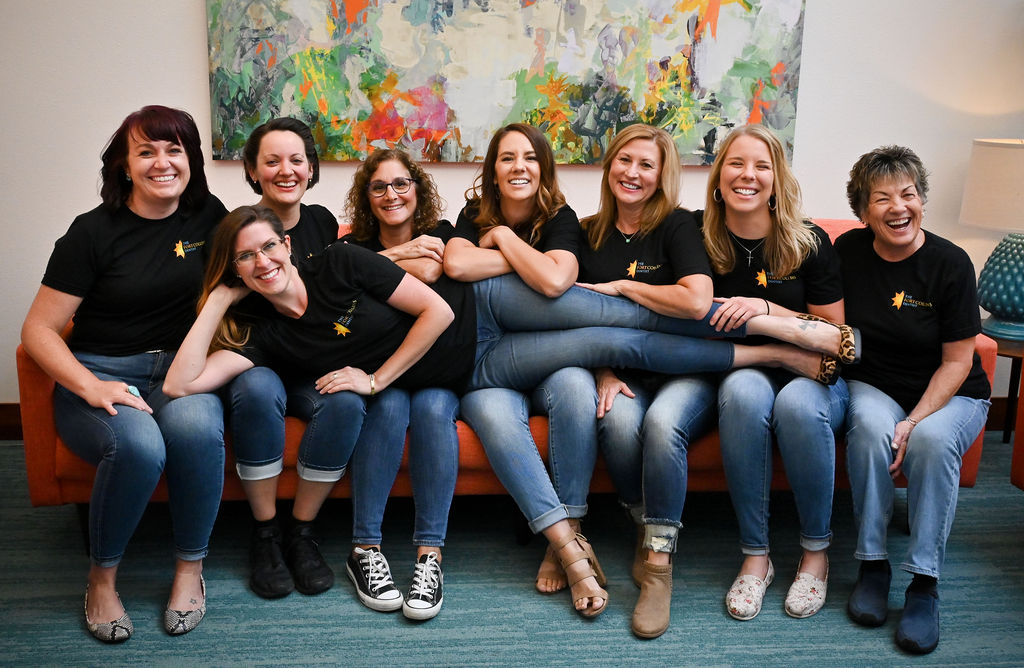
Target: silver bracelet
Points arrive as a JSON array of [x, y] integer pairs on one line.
[[912, 421]]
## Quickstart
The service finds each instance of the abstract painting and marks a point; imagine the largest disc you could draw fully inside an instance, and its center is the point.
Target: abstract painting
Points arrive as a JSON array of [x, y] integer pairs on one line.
[[438, 77]]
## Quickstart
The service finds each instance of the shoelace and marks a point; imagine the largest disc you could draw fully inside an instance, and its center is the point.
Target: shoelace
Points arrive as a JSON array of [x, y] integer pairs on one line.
[[375, 566], [425, 577]]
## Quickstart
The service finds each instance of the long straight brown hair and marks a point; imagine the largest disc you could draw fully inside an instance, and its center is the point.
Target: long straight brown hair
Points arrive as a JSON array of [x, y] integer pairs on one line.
[[484, 195]]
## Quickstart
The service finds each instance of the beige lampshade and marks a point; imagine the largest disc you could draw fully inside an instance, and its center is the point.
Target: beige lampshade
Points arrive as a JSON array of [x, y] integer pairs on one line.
[[994, 191]]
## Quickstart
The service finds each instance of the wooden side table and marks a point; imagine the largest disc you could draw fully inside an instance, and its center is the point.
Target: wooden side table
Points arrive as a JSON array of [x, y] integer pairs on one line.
[[1014, 349]]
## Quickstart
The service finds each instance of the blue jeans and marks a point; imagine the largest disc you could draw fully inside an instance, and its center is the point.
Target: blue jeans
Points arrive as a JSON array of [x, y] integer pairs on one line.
[[433, 462], [183, 438], [569, 400], [931, 466], [500, 418], [335, 422], [681, 410], [257, 400], [524, 337], [805, 417]]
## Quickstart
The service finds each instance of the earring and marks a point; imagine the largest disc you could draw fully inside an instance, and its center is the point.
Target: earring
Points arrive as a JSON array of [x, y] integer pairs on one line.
[[717, 195], [772, 203], [128, 177], [309, 183]]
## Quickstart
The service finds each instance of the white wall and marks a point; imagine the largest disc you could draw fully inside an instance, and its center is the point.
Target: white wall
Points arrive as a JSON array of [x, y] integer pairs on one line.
[[931, 74]]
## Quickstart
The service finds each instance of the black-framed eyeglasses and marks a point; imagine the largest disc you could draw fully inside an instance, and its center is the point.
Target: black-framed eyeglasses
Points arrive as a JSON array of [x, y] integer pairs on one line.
[[400, 185], [248, 257]]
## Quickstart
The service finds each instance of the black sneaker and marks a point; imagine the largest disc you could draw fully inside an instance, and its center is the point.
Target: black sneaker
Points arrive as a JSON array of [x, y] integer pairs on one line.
[[426, 592], [369, 572], [311, 573], [270, 576]]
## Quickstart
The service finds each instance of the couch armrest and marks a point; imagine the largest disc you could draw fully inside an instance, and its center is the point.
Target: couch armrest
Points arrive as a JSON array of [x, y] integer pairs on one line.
[[35, 390]]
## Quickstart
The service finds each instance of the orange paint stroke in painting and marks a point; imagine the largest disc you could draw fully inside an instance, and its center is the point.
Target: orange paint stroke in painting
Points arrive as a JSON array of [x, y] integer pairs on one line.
[[537, 65], [334, 9], [305, 85], [273, 55], [777, 72], [335, 123], [321, 103], [709, 19], [352, 10], [758, 105]]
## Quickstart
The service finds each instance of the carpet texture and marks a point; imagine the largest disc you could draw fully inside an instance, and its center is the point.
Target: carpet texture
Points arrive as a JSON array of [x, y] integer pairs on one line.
[[492, 615]]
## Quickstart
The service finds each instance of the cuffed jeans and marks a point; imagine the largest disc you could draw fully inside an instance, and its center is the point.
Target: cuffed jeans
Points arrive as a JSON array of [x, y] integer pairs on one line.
[[183, 438], [500, 417], [931, 465], [804, 416], [433, 462]]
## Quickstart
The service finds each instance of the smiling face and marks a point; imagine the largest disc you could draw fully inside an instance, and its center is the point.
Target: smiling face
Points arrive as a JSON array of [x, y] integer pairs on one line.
[[635, 172], [517, 170], [268, 270], [747, 176], [281, 169], [392, 209], [894, 213], [159, 173]]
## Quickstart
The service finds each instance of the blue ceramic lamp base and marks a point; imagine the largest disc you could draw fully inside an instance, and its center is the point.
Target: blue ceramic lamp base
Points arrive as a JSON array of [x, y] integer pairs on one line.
[[1001, 289]]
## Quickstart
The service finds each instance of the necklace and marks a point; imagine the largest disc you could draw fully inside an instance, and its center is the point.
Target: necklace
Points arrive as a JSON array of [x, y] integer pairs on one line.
[[626, 237], [750, 251]]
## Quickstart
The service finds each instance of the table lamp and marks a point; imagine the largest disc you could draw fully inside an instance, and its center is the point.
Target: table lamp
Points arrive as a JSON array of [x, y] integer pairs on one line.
[[994, 199]]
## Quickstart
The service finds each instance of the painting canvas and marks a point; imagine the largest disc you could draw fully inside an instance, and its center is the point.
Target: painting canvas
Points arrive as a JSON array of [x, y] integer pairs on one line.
[[438, 77]]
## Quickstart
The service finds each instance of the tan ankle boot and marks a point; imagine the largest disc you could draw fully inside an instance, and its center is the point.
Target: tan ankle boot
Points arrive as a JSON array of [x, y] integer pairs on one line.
[[652, 611]]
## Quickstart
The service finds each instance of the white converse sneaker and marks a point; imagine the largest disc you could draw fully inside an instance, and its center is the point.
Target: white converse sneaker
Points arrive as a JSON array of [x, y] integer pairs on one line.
[[426, 592]]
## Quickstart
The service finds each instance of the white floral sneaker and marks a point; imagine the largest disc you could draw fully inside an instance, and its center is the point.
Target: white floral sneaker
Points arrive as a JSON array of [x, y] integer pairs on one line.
[[806, 595], [743, 601]]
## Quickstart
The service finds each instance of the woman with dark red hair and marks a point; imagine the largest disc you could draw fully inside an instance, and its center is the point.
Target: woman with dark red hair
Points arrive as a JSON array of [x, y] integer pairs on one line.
[[129, 272]]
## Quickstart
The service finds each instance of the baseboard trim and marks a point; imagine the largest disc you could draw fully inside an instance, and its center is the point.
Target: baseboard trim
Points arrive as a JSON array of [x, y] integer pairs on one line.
[[10, 419], [10, 422]]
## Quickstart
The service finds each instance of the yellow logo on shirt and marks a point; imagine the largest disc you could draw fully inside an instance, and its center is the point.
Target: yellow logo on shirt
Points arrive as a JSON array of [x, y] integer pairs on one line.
[[897, 301], [762, 278], [184, 247], [631, 269], [179, 249], [341, 329]]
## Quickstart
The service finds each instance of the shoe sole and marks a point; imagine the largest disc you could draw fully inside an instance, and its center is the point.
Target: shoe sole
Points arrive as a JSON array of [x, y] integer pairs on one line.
[[371, 602], [269, 593], [420, 614]]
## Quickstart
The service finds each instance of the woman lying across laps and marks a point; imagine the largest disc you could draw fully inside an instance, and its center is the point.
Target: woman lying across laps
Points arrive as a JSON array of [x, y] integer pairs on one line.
[[280, 163]]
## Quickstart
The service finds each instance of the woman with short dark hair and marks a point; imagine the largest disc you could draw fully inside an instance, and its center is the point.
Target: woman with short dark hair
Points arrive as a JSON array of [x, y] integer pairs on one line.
[[919, 397]]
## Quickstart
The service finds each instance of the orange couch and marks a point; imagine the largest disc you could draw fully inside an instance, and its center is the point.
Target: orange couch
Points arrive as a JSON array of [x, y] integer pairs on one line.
[[56, 476]]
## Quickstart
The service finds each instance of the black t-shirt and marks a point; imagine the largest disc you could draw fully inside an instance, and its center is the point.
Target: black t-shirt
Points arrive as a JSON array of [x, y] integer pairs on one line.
[[347, 322], [906, 310], [458, 294], [561, 232], [139, 279], [816, 281], [317, 228], [672, 250]]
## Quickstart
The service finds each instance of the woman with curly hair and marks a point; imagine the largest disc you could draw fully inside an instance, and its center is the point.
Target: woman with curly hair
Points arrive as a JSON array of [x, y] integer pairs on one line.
[[395, 210]]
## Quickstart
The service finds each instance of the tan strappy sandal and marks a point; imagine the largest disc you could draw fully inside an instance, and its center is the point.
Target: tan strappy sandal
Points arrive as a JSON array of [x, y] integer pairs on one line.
[[579, 588]]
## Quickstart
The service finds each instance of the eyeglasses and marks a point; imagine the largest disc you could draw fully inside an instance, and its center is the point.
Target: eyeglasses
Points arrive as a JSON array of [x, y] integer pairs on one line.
[[248, 257], [400, 185]]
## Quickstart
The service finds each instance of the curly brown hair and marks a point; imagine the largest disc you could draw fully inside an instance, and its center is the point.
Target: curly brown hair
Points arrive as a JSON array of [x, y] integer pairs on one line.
[[357, 204]]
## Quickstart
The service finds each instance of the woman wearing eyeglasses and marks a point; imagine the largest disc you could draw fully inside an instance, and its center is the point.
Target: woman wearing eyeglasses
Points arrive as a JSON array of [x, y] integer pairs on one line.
[[395, 211], [280, 164]]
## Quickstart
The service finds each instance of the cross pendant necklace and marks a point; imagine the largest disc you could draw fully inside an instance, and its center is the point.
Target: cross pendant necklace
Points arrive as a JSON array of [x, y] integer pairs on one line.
[[750, 251]]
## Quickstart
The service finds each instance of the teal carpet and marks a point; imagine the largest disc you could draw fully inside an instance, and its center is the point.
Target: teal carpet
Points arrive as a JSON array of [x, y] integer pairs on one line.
[[492, 615]]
